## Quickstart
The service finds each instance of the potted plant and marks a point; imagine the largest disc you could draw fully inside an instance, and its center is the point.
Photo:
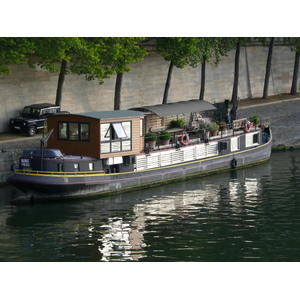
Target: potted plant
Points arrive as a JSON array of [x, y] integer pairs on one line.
[[202, 125], [177, 123], [214, 129], [208, 129], [223, 125], [165, 137], [150, 139], [254, 120]]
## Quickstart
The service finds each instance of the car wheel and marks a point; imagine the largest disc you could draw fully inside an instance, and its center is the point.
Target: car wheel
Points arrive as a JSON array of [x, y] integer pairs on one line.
[[31, 131]]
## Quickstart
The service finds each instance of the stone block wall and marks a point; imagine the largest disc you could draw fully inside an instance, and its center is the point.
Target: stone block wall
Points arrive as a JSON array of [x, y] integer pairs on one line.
[[144, 84], [7, 159]]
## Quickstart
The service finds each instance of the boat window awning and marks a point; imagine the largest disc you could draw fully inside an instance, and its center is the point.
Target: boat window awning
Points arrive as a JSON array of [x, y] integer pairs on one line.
[[177, 108]]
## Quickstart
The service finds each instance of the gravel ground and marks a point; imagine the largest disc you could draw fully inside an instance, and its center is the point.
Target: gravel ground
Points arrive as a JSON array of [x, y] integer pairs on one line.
[[282, 117]]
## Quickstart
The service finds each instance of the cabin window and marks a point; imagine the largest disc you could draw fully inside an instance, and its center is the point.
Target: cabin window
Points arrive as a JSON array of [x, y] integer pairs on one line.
[[60, 168], [76, 167], [62, 131], [141, 127], [115, 147], [127, 128], [73, 131], [105, 147], [115, 137], [126, 145], [91, 166], [252, 139], [118, 131], [84, 131], [255, 138], [222, 146], [235, 143]]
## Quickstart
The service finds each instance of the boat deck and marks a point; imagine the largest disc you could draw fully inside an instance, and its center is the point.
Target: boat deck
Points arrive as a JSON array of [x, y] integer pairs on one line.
[[196, 137]]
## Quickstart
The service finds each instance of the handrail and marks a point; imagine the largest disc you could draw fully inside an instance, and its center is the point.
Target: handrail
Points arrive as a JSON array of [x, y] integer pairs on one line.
[[33, 172], [198, 135]]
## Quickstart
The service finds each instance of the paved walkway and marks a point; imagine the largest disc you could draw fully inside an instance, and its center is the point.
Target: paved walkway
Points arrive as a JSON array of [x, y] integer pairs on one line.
[[280, 112], [9, 141]]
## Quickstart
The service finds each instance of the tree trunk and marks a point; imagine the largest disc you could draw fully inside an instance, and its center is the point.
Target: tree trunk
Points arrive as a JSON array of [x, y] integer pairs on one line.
[[268, 69], [295, 74], [202, 89], [119, 80], [61, 80], [236, 75], [167, 86]]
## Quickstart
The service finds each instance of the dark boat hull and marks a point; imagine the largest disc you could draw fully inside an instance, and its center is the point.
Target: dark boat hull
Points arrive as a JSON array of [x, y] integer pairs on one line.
[[41, 186]]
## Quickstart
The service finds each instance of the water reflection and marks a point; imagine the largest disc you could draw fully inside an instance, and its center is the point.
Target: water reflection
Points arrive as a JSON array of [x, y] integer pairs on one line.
[[245, 215], [125, 239], [121, 241]]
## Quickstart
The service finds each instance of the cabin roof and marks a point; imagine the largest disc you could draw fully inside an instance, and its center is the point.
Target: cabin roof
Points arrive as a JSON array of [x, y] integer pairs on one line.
[[113, 114], [177, 108], [42, 105]]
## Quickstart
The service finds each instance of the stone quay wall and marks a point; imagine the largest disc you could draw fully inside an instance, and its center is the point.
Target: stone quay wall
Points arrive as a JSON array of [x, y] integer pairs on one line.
[[283, 118], [144, 84]]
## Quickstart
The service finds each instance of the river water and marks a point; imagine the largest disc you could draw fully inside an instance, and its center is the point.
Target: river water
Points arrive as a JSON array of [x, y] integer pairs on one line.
[[250, 215]]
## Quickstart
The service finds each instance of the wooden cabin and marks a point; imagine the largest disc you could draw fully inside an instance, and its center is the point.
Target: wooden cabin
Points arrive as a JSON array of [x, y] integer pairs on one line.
[[158, 117], [105, 134], [116, 134]]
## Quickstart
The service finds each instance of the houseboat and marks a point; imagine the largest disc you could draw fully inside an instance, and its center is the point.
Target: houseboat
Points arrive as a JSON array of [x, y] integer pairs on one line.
[[104, 152]]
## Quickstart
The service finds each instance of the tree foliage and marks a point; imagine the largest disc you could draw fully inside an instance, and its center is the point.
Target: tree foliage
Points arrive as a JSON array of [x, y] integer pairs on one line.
[[215, 47], [178, 50], [192, 51], [293, 43], [98, 58], [14, 51], [95, 58]]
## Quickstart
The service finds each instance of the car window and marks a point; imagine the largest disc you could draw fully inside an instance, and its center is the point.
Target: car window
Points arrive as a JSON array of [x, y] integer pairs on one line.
[[32, 112], [35, 112], [26, 110], [51, 110]]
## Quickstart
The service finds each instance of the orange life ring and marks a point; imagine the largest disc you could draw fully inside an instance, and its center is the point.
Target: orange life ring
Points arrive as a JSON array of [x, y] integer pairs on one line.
[[184, 139], [247, 127]]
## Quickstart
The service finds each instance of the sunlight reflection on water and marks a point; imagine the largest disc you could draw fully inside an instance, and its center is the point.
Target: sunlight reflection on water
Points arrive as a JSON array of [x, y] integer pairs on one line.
[[244, 215]]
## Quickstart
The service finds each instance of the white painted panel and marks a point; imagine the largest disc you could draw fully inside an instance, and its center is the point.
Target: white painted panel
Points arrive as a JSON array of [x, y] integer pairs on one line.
[[235, 143], [189, 154], [200, 151], [177, 157], [153, 161], [212, 149]]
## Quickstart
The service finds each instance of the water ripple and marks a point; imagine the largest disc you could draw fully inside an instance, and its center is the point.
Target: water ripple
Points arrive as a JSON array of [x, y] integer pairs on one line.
[[243, 215]]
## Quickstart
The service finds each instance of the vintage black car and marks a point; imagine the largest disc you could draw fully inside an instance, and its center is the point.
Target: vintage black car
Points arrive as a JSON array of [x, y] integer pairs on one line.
[[33, 117]]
